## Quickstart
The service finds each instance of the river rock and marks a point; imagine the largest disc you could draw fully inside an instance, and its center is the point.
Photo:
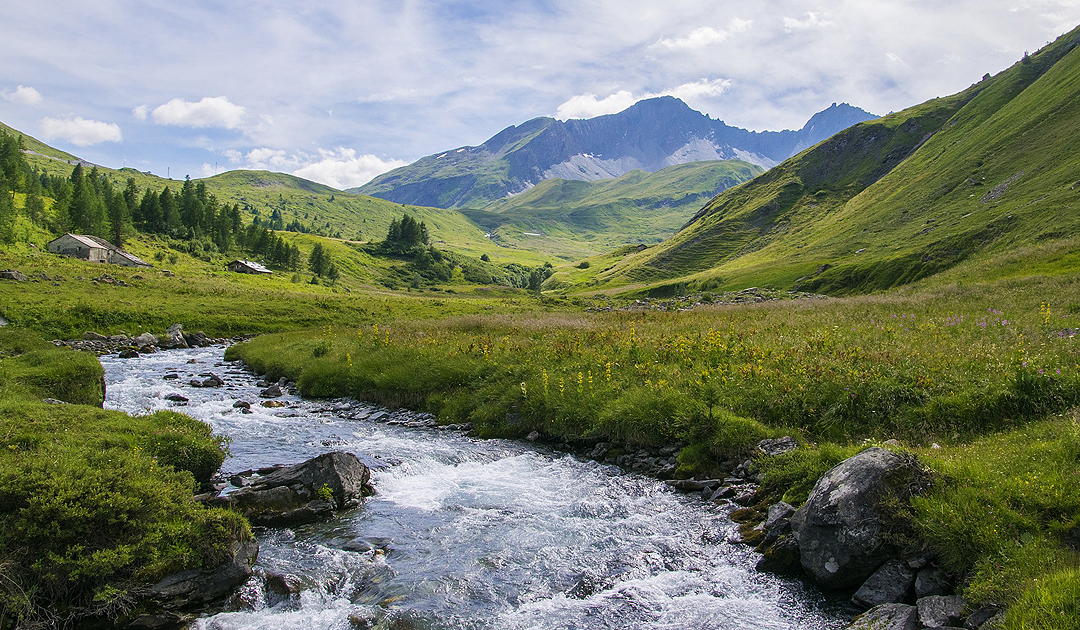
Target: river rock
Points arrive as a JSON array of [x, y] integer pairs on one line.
[[145, 339], [174, 337], [887, 617], [213, 381], [273, 391], [176, 398], [272, 404], [839, 528], [290, 495], [194, 589], [241, 404], [781, 557], [778, 522], [941, 611], [890, 584], [932, 581], [129, 353]]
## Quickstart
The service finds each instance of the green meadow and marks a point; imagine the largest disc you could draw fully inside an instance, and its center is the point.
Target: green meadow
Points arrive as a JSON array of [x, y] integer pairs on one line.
[[981, 381]]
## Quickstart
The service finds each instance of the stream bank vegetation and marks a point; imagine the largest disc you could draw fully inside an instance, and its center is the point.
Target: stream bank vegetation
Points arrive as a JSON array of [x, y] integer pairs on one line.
[[94, 504], [981, 381]]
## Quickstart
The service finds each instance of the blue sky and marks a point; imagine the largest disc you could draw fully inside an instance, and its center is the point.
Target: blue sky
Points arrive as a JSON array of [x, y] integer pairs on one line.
[[341, 90]]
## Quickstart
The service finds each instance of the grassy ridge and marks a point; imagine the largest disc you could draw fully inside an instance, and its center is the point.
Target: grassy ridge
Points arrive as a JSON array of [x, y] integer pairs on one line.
[[575, 219], [94, 504], [897, 199], [984, 370]]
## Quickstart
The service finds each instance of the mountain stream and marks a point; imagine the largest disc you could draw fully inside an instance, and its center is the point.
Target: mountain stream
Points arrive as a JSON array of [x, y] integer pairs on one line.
[[470, 534]]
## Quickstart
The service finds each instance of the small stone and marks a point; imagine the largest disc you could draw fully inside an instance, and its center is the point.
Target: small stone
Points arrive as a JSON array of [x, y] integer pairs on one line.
[[533, 436], [272, 404], [940, 611], [887, 617], [932, 581], [171, 376], [272, 391], [241, 404], [176, 398], [281, 584], [128, 354], [779, 446], [890, 584]]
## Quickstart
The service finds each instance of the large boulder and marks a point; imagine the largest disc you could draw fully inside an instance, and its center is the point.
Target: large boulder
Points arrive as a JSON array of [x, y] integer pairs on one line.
[[839, 528], [295, 494]]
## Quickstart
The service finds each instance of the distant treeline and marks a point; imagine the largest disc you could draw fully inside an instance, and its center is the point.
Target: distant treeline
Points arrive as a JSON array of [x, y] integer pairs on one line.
[[87, 202]]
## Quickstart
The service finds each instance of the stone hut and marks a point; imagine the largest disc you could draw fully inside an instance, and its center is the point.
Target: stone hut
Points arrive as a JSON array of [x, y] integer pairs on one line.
[[93, 249], [247, 266]]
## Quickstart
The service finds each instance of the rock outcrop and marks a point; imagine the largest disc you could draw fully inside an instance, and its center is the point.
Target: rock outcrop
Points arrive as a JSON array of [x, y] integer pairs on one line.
[[302, 493]]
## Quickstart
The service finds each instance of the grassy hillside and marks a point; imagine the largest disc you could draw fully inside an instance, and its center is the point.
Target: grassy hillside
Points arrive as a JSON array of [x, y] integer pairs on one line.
[[887, 202], [319, 207], [575, 219]]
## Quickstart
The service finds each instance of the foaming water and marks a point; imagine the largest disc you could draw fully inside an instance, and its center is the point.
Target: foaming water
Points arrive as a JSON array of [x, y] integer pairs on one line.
[[470, 534]]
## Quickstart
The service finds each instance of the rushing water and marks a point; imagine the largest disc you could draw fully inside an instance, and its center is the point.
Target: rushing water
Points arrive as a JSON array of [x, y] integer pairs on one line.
[[466, 533]]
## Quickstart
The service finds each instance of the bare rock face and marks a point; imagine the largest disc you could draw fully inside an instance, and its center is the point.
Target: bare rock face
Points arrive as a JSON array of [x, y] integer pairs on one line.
[[304, 492], [839, 528]]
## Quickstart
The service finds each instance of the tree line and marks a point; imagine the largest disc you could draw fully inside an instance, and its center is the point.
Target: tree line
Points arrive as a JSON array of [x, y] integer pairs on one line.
[[88, 202]]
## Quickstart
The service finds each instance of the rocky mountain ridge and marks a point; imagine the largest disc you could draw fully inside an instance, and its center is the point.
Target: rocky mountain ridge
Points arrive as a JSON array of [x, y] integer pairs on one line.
[[649, 136]]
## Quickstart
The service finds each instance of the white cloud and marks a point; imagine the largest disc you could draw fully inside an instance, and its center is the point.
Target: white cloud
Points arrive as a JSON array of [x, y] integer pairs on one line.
[[140, 112], [704, 36], [24, 95], [696, 39], [590, 106], [704, 88], [812, 21], [79, 131], [211, 111], [341, 167]]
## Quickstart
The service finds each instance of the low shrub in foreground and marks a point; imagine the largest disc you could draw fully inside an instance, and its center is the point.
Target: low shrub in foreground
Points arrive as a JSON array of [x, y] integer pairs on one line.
[[94, 504]]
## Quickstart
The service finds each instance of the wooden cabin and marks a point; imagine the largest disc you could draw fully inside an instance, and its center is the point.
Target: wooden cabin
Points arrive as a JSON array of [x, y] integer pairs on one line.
[[247, 266]]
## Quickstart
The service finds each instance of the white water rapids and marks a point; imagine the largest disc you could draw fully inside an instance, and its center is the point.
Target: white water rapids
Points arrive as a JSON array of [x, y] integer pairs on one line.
[[472, 534]]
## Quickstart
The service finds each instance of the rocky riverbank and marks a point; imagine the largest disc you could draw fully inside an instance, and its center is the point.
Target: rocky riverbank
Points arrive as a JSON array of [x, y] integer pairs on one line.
[[131, 346]]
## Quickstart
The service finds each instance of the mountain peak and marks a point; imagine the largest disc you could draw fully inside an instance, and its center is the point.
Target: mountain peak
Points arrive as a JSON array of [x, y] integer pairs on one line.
[[649, 135]]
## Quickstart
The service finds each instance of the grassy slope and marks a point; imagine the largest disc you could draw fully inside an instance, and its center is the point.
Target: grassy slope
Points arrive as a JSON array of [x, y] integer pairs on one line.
[[900, 198], [203, 296], [576, 219], [313, 204]]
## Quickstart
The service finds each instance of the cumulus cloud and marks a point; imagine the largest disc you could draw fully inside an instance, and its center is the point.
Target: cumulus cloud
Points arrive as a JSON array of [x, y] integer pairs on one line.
[[140, 112], [211, 111], [340, 168], [79, 131], [24, 95], [704, 36], [812, 21], [590, 105]]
